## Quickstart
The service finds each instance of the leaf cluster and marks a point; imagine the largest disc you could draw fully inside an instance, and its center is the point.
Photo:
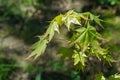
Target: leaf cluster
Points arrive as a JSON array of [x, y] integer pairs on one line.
[[112, 77], [84, 41]]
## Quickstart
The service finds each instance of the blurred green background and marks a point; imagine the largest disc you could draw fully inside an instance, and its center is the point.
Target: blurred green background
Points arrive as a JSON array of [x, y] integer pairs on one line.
[[21, 21]]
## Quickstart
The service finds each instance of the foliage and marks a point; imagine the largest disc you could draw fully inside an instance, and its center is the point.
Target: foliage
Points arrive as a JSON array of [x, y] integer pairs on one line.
[[17, 14], [20, 16], [112, 77], [107, 2], [5, 68], [99, 77], [16, 7], [111, 2], [84, 41]]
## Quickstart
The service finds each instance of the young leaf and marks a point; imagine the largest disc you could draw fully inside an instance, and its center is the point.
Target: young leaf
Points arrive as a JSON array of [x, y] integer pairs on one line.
[[85, 36], [99, 77], [54, 26], [58, 19], [79, 58], [83, 17], [51, 30], [114, 77], [100, 53], [71, 17], [80, 35], [96, 19], [39, 48]]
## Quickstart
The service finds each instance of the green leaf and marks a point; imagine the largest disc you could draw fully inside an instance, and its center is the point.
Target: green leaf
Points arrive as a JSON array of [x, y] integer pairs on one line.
[[83, 17], [99, 52], [81, 30], [93, 34], [39, 48], [54, 26], [79, 58], [58, 19], [85, 36], [80, 36], [114, 77], [96, 19], [81, 39], [99, 77], [71, 17], [51, 30]]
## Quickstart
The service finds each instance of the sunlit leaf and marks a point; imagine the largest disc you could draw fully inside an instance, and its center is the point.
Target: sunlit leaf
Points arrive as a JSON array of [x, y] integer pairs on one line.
[[85, 36], [100, 77], [71, 17], [81, 34], [83, 17], [58, 19], [100, 53], [96, 19], [39, 48], [114, 77], [51, 30], [79, 57], [81, 30]]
